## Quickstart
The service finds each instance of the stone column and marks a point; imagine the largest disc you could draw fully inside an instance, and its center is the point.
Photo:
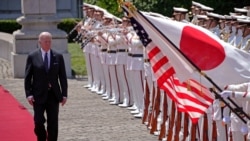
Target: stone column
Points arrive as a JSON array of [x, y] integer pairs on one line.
[[38, 16]]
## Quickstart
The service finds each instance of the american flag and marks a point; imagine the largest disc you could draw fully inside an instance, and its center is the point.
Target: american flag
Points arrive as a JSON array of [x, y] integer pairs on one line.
[[160, 63], [190, 97]]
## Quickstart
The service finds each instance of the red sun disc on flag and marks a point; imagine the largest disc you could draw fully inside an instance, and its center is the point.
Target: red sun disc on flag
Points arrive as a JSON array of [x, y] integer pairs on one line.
[[205, 52]]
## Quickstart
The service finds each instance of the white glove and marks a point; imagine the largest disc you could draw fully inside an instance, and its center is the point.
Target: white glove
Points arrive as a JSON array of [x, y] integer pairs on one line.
[[244, 129], [226, 119], [226, 94]]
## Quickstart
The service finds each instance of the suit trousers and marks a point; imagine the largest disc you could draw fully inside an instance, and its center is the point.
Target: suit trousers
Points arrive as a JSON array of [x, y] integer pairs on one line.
[[51, 107]]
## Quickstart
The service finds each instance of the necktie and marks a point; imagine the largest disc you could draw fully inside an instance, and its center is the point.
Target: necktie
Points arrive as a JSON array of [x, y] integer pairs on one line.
[[46, 62]]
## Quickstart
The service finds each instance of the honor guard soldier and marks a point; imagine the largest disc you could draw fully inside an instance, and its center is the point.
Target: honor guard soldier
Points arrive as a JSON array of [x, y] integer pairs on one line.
[[195, 10], [121, 61], [180, 14], [246, 34], [248, 10], [204, 9], [98, 74], [84, 12], [201, 20], [87, 48], [137, 69], [241, 11], [103, 39], [227, 29], [234, 24], [237, 41], [111, 62], [239, 94], [129, 37], [214, 20], [130, 72]]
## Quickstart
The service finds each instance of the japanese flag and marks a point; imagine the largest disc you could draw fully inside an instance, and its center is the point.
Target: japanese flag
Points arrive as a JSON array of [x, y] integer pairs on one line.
[[221, 62]]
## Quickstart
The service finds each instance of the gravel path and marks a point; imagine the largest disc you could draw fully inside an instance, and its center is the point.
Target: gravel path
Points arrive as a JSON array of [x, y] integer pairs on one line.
[[85, 117]]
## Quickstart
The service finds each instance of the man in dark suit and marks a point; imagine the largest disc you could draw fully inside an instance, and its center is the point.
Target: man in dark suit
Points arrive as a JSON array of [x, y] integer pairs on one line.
[[45, 87]]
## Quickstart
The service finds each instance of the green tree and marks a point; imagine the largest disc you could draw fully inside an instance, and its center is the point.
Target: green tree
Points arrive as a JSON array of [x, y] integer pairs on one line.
[[165, 7], [110, 5]]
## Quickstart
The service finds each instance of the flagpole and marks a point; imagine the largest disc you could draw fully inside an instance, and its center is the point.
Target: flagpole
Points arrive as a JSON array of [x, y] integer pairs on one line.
[[202, 73]]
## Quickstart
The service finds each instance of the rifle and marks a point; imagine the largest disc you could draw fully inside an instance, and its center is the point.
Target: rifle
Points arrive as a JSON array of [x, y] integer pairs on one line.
[[226, 129], [177, 126], [151, 108], [193, 131], [230, 136], [214, 132], [186, 121], [171, 122], [146, 102], [164, 119], [205, 128], [156, 111]]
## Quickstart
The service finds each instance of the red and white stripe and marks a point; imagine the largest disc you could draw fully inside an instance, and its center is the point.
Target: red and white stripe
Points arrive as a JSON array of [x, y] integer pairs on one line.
[[160, 64], [190, 97]]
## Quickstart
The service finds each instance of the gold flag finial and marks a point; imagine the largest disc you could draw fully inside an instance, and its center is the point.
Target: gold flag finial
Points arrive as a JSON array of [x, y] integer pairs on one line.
[[120, 3], [130, 7]]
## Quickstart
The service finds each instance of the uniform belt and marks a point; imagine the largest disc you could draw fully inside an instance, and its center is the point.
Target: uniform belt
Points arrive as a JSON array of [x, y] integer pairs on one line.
[[137, 55], [111, 51], [103, 50], [146, 60], [130, 54], [239, 110], [121, 50]]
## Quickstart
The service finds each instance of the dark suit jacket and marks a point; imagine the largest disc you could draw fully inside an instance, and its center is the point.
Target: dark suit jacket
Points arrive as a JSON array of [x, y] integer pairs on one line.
[[37, 80]]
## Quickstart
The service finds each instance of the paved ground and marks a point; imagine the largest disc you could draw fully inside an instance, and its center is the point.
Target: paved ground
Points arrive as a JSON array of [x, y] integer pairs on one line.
[[85, 117]]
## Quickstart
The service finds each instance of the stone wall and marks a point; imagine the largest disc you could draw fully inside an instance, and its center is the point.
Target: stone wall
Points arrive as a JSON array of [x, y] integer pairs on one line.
[[6, 45]]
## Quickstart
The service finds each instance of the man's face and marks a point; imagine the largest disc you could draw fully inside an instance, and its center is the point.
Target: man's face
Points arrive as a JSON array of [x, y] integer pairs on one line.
[[201, 22], [222, 24], [98, 15], [125, 22], [106, 21], [176, 16], [45, 42], [90, 12]]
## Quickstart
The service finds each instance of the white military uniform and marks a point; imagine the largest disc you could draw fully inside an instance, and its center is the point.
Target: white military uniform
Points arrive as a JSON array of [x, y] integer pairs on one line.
[[246, 43], [232, 36], [103, 58], [137, 68], [216, 30], [237, 41], [121, 60], [217, 117], [129, 71], [98, 74], [111, 62], [87, 51], [236, 123]]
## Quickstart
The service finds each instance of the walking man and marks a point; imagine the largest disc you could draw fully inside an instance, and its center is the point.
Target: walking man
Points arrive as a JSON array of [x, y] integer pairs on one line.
[[45, 87]]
